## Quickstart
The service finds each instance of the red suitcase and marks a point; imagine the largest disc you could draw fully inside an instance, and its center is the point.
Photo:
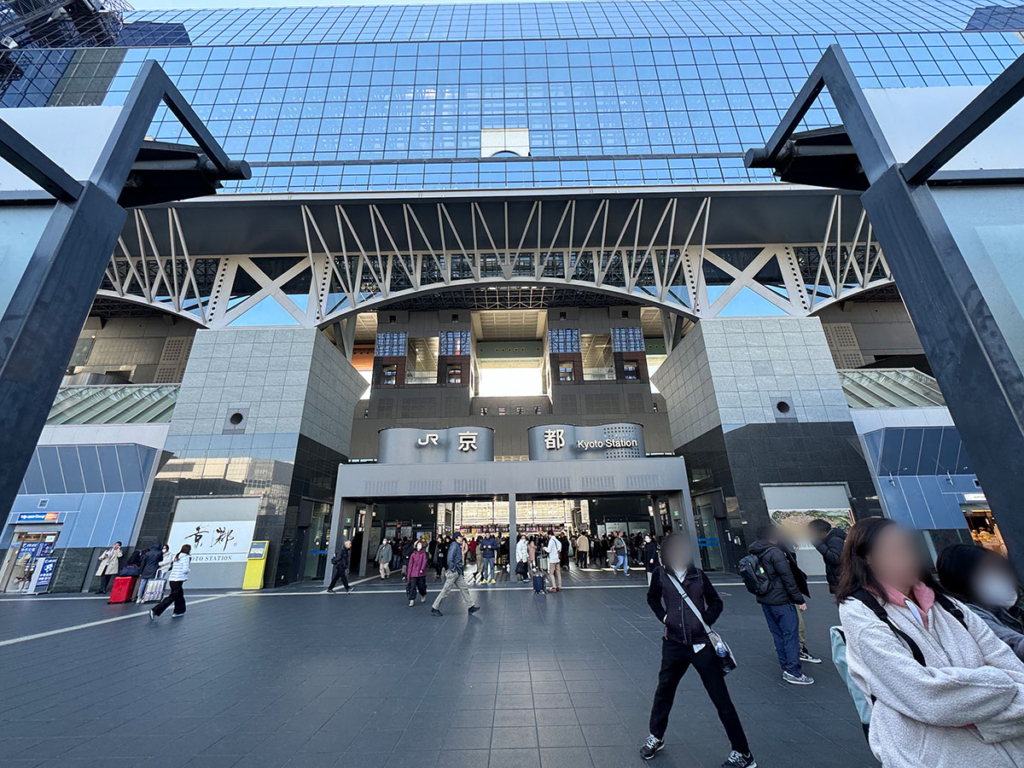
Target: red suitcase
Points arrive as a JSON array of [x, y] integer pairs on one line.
[[122, 590]]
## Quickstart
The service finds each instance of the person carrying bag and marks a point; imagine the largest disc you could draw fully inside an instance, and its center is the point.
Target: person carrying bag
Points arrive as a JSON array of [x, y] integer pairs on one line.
[[686, 603]]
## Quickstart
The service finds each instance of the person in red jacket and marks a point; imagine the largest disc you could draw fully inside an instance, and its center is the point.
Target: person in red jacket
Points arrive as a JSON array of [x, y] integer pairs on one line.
[[417, 574]]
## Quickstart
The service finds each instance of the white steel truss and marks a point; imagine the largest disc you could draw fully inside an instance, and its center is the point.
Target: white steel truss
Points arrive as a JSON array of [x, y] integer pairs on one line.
[[359, 257]]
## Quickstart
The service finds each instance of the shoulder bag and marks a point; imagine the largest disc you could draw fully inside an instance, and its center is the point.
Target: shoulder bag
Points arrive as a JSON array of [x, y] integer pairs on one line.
[[727, 661]]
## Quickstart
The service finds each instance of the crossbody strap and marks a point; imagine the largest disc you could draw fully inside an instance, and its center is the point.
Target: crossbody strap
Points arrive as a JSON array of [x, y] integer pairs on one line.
[[688, 601], [869, 600]]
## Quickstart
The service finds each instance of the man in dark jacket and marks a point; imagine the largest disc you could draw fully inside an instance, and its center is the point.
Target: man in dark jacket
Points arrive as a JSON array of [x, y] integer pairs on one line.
[[487, 550], [455, 577], [781, 602], [829, 542], [341, 561], [149, 564]]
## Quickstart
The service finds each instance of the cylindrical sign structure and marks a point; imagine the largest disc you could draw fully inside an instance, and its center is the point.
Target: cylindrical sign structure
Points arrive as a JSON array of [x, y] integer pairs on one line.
[[454, 445], [567, 442]]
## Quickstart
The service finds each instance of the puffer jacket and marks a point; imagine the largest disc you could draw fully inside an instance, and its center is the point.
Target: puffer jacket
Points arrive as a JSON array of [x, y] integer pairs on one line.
[[455, 557], [417, 564], [151, 562], [785, 588], [831, 550], [180, 567], [681, 626]]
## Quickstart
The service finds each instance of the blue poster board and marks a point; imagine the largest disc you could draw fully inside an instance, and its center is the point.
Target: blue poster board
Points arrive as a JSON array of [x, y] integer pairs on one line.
[[46, 569]]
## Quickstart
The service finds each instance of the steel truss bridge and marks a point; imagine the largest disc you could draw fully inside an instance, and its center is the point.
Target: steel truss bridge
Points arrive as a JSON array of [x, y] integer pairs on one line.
[[690, 252]]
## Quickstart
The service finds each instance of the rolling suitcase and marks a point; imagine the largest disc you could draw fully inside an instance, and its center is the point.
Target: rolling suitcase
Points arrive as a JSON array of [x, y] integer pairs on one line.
[[538, 584], [122, 590]]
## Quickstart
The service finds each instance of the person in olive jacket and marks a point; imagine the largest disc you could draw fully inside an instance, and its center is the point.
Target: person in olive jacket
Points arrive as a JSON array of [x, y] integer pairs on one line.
[[685, 643]]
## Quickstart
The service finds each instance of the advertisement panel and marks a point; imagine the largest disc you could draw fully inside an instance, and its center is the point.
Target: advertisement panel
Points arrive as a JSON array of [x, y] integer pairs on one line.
[[214, 541]]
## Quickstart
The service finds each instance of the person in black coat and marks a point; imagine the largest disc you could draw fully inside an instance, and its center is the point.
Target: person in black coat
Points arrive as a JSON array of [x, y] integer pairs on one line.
[[782, 601], [149, 564], [685, 643], [341, 561], [649, 554], [829, 542]]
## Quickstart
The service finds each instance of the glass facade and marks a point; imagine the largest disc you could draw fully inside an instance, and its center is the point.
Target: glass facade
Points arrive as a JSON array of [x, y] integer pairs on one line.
[[397, 97]]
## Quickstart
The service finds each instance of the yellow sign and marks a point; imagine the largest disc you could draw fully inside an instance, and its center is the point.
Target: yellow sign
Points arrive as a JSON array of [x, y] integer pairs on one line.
[[255, 564]]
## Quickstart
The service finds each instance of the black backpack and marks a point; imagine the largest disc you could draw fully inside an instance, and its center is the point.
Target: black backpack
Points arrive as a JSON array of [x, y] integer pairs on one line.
[[755, 577]]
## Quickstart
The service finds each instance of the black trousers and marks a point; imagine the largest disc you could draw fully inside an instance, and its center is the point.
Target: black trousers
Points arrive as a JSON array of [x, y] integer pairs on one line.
[[676, 658], [581, 559], [177, 597], [105, 580], [339, 573], [416, 583]]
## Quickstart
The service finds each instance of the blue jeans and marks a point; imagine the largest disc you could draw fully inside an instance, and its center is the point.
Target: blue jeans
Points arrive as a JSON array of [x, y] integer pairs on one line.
[[784, 624], [623, 561], [488, 570]]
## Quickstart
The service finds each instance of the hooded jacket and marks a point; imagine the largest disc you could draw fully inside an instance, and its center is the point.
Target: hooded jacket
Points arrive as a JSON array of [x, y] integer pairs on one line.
[[455, 557], [785, 588], [417, 563], [831, 550], [681, 626], [151, 562], [965, 708]]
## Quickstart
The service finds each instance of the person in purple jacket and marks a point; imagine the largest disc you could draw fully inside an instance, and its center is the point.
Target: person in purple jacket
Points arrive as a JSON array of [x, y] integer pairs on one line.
[[417, 574]]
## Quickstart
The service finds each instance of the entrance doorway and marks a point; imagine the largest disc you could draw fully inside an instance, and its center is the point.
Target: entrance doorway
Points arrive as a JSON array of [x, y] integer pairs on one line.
[[27, 551], [709, 541], [314, 538]]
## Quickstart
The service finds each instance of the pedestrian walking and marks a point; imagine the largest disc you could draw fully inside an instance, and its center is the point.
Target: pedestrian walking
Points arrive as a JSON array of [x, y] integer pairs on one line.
[[946, 692], [408, 547], [487, 550], [110, 566], [531, 552], [441, 560], [780, 603], [582, 550], [621, 554], [554, 550], [829, 542], [986, 582], [417, 574], [384, 554], [522, 558], [341, 561], [686, 603], [455, 577], [148, 568], [650, 557], [180, 567]]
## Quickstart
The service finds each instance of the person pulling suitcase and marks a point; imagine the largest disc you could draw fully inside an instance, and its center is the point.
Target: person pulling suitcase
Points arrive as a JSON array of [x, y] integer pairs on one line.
[[178, 576]]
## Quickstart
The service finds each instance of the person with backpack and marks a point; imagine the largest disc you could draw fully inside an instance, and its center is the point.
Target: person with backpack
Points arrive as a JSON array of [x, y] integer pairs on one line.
[[341, 562], [986, 582], [945, 691], [180, 567], [829, 542], [768, 575], [686, 603]]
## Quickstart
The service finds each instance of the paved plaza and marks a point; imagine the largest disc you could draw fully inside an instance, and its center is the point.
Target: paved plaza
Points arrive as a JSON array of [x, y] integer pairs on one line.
[[301, 678]]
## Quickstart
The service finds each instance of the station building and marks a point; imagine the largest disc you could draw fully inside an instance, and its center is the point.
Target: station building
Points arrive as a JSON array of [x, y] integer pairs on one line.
[[499, 267]]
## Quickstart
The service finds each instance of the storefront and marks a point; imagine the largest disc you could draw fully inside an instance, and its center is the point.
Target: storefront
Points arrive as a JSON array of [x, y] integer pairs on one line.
[[433, 482], [981, 523], [33, 540]]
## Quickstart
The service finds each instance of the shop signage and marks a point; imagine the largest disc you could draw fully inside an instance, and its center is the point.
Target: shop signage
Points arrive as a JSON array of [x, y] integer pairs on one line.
[[975, 497], [590, 445], [49, 565], [38, 517], [217, 541], [465, 444]]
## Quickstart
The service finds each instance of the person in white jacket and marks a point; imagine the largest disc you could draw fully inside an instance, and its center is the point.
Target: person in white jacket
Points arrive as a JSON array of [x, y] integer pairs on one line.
[[180, 567], [946, 692]]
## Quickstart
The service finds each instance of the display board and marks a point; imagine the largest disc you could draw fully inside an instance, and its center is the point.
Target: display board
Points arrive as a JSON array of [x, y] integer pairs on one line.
[[219, 530]]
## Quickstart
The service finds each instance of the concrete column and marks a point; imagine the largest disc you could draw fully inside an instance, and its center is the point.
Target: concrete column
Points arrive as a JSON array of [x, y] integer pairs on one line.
[[364, 550], [683, 522], [511, 535], [344, 509]]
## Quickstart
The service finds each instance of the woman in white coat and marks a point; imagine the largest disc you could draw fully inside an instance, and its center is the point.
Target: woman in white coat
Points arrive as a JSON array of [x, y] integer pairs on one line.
[[946, 692], [110, 565], [180, 566]]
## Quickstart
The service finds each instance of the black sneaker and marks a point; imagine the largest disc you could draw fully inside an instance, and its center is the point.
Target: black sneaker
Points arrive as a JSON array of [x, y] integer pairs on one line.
[[347, 590], [330, 591], [435, 612], [809, 658], [739, 760], [473, 609], [651, 747]]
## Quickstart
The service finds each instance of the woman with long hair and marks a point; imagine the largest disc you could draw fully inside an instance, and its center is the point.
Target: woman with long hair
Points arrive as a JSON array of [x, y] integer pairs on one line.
[[678, 591], [946, 691], [180, 566], [986, 582]]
